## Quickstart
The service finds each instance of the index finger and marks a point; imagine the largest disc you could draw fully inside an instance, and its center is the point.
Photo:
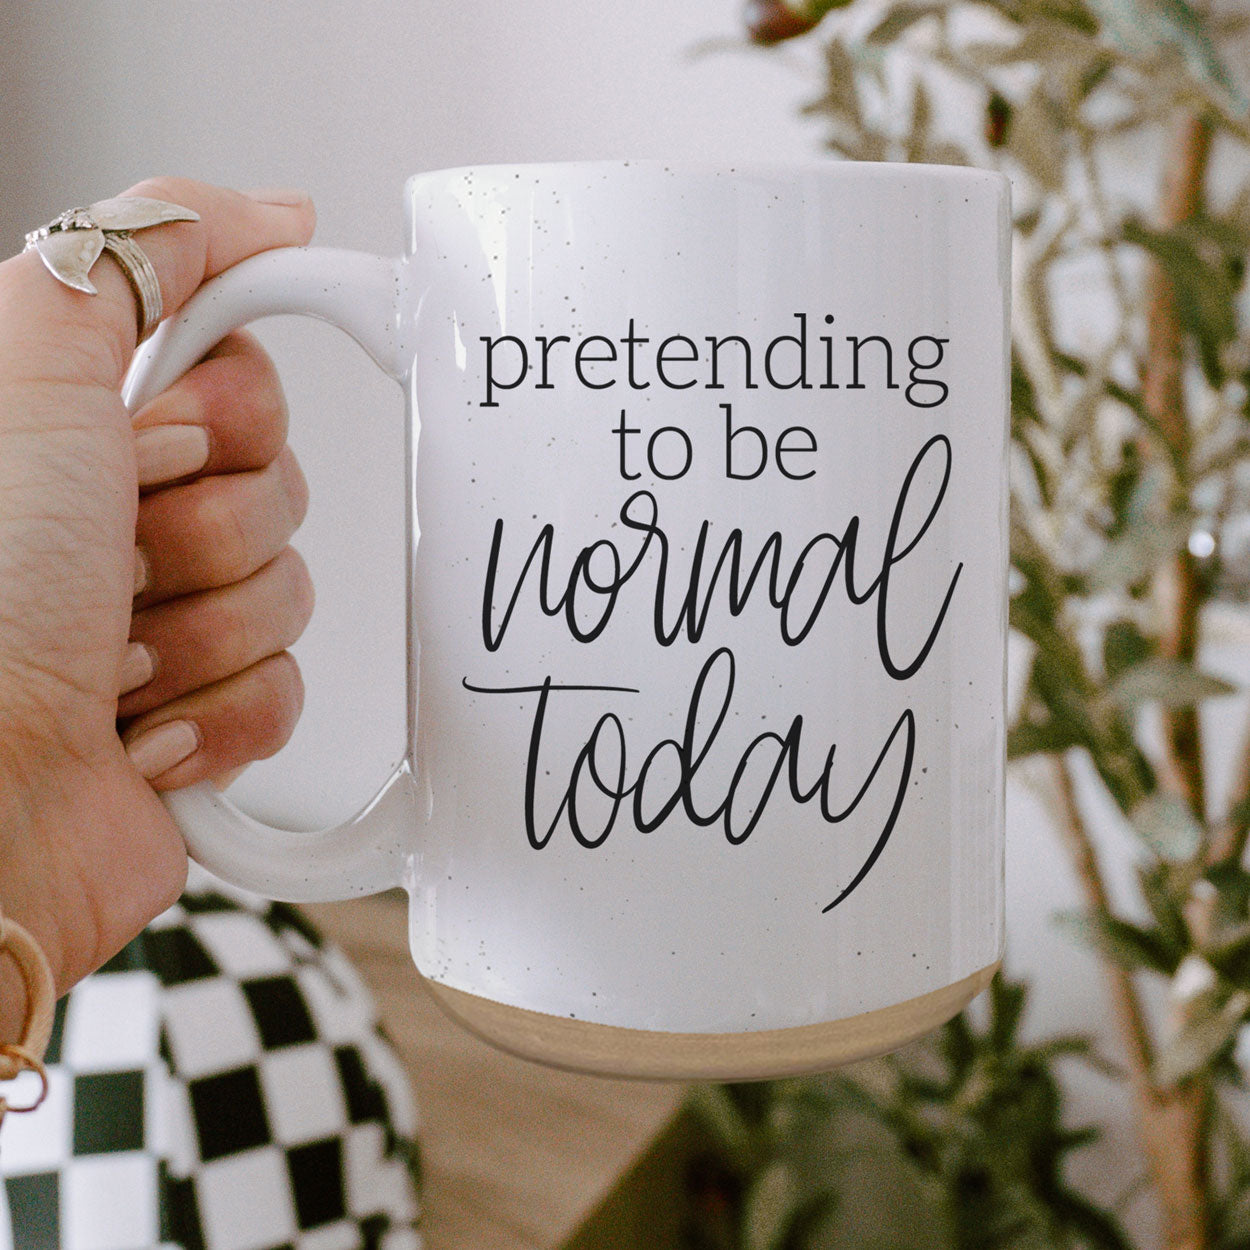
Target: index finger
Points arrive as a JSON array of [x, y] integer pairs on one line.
[[103, 328]]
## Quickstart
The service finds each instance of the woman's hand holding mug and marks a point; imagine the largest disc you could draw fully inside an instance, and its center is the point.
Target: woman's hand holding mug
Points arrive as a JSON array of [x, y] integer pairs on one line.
[[146, 584], [706, 584]]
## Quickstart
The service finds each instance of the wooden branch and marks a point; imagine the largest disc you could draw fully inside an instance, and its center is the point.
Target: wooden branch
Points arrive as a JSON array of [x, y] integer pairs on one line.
[[1172, 1122], [1175, 1121], [1163, 392], [1125, 1003], [1174, 1130]]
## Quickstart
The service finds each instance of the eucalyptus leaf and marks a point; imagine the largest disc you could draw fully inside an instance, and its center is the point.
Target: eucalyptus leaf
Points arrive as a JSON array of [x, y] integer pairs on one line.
[[1173, 683], [1028, 220], [1125, 944], [1036, 139], [1206, 293], [958, 1046], [898, 20], [1100, 1229], [1228, 233], [1153, 487], [796, 1106], [816, 9], [1232, 883], [1229, 955], [841, 98], [873, 146], [921, 117], [1073, 13], [769, 1206], [946, 153], [1080, 1048], [1122, 490], [1124, 646], [1042, 43], [1079, 1138], [1050, 737], [718, 1111], [1165, 823], [1007, 999], [1138, 552], [806, 1219], [1146, 28], [1155, 882], [1200, 1039], [867, 1094]]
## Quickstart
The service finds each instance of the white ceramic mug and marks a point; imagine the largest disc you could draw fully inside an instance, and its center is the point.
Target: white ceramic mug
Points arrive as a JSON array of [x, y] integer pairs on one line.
[[707, 610]]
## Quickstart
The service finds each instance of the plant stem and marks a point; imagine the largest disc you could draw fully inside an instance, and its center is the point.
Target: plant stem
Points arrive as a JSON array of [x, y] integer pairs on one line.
[[1172, 1122], [1126, 1005], [1163, 393], [1178, 1122]]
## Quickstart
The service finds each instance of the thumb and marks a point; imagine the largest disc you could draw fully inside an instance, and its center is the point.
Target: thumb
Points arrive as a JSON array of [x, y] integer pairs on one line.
[[68, 335]]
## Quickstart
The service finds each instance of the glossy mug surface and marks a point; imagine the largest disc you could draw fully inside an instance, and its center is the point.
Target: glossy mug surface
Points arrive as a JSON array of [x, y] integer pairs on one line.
[[707, 600]]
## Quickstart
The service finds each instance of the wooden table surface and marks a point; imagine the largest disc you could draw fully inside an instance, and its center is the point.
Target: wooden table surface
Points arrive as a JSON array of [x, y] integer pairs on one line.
[[515, 1155]]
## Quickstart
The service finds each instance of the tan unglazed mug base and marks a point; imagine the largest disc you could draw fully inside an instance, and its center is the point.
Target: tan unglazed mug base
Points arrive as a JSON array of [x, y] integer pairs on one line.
[[609, 1050]]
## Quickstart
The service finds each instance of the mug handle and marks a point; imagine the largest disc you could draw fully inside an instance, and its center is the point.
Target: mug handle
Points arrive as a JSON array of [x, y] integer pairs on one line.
[[359, 293]]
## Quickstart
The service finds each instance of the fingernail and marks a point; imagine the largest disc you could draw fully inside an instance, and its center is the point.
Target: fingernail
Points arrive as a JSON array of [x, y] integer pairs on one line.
[[141, 571], [158, 749], [138, 665], [280, 197], [166, 452]]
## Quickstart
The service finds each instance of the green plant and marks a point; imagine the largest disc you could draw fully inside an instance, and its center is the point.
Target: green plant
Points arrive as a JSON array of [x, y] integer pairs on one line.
[[1130, 456], [970, 1116]]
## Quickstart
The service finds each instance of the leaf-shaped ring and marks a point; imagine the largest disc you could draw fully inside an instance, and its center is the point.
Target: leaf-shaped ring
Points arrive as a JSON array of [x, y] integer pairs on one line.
[[72, 243]]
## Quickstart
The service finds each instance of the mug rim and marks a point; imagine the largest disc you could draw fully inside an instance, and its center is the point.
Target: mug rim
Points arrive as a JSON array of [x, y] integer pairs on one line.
[[832, 168]]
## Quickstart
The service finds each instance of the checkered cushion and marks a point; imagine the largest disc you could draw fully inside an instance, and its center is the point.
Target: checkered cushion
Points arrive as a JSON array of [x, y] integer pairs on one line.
[[222, 1084]]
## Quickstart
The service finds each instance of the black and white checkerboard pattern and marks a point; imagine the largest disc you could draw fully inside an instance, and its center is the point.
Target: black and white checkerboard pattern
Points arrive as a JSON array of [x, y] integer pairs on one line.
[[220, 1085]]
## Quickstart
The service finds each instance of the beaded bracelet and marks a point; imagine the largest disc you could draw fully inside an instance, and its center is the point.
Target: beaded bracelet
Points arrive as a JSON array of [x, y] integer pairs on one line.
[[27, 1054]]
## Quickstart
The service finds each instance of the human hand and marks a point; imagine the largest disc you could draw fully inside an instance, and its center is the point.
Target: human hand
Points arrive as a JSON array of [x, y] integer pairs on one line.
[[193, 503]]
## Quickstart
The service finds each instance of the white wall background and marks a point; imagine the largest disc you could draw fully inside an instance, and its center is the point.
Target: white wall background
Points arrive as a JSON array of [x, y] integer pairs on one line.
[[345, 101]]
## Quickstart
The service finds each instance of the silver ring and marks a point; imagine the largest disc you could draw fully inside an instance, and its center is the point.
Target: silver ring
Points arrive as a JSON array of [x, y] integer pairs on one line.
[[136, 266], [72, 243]]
